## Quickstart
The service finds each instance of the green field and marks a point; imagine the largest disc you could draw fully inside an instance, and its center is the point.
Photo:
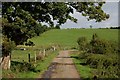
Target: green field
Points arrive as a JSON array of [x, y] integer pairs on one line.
[[64, 38], [68, 37], [19, 56]]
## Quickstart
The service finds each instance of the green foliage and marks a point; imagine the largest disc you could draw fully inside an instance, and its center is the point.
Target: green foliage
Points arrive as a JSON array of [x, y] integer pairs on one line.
[[22, 55], [40, 29], [98, 46], [22, 20], [68, 37], [82, 42], [57, 26], [23, 69], [7, 74], [43, 64], [29, 43], [103, 56], [83, 55], [83, 70], [107, 66], [7, 46], [91, 10], [22, 66]]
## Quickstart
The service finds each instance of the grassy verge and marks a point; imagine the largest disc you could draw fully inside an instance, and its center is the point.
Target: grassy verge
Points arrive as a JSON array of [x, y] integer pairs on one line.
[[22, 55], [40, 65], [83, 70]]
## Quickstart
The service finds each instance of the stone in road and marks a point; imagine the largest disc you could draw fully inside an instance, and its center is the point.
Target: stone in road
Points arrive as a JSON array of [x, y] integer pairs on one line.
[[65, 67]]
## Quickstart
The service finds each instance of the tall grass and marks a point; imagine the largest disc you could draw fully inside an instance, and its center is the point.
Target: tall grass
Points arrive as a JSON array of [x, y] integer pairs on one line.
[[22, 69]]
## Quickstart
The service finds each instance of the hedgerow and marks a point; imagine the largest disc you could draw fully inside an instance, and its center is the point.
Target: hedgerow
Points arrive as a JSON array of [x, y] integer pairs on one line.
[[101, 55]]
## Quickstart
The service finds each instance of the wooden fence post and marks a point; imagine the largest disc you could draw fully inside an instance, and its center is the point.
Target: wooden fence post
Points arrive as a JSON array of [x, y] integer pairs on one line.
[[54, 48], [35, 56], [28, 57], [44, 52], [9, 61]]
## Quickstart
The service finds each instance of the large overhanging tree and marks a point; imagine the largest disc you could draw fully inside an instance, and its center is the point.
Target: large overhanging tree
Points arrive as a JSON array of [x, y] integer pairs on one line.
[[22, 20]]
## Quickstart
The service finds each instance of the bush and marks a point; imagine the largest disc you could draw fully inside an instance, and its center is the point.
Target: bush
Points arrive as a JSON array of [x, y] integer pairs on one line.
[[101, 55], [7, 46], [106, 65], [40, 57], [82, 43], [83, 55], [99, 46], [30, 43], [22, 66]]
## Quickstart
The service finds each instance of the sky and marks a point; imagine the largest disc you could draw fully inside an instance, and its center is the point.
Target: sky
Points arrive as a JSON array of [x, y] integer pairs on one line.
[[110, 8]]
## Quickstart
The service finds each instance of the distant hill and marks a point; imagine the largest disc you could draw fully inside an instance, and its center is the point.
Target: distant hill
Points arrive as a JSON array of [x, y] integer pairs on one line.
[[68, 37]]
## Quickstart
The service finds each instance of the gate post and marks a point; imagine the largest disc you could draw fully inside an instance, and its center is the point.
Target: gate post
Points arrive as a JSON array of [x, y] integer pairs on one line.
[[28, 57]]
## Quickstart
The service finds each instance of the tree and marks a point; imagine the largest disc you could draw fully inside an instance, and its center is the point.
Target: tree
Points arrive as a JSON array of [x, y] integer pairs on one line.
[[91, 26], [22, 20], [7, 47], [57, 27]]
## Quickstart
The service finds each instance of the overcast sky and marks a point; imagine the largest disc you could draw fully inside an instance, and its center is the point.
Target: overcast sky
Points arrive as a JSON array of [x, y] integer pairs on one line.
[[110, 8]]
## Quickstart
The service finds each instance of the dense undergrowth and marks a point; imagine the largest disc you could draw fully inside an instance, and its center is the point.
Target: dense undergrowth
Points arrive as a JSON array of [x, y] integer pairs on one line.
[[32, 69], [101, 55]]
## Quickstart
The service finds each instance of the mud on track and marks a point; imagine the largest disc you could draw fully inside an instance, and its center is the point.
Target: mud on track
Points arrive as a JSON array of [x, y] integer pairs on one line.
[[62, 67]]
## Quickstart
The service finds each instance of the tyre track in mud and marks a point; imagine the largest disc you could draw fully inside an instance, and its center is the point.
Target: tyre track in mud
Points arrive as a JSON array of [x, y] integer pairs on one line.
[[62, 67]]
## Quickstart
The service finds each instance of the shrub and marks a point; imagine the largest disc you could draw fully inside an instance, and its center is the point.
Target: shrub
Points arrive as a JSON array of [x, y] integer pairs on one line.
[[106, 65], [30, 43], [22, 66], [99, 46], [40, 57], [83, 55], [82, 42], [101, 55], [7, 46]]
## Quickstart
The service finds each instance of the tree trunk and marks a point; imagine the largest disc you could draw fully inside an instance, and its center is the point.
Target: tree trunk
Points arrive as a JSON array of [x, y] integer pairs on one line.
[[6, 61]]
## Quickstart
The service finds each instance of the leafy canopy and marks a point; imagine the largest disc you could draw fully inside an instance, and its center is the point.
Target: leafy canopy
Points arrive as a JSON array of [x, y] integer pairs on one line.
[[23, 20]]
